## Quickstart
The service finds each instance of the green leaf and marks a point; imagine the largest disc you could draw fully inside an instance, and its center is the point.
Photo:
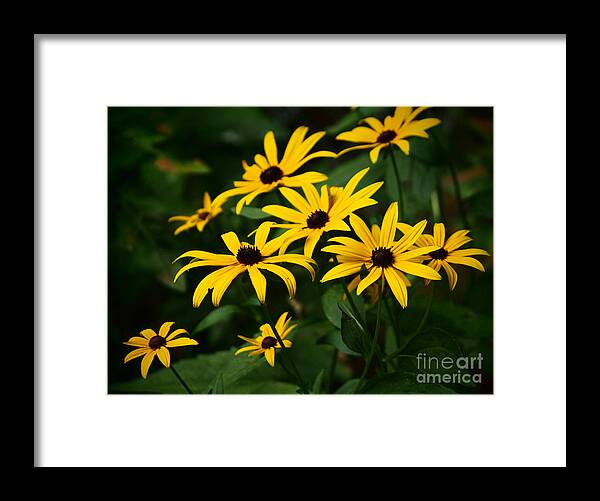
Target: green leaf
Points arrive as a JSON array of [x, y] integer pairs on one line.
[[334, 338], [251, 212], [217, 388], [401, 383], [329, 301], [348, 387], [216, 316], [318, 384], [353, 335]]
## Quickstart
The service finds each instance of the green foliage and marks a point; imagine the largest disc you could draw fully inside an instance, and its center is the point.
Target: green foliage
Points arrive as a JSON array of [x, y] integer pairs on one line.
[[214, 317], [353, 335]]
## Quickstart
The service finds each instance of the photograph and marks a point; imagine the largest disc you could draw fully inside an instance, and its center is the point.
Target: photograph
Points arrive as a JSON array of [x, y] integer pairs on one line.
[[300, 250]]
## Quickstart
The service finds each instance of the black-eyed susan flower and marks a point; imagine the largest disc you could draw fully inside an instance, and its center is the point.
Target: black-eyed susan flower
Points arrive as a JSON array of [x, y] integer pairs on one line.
[[267, 343], [393, 131], [383, 257], [447, 251], [244, 257], [374, 289], [270, 171], [200, 218], [150, 344], [315, 214]]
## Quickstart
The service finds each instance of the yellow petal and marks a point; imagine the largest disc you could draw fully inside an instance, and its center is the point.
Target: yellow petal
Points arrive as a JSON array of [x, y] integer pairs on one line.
[[135, 354], [317, 154], [400, 114], [182, 341], [148, 333], [397, 285], [388, 226], [467, 261], [374, 123], [342, 250], [296, 200], [260, 238], [164, 329], [418, 270], [141, 342], [285, 213], [439, 234], [311, 241], [259, 282], [312, 196], [245, 348], [294, 259], [296, 139], [452, 275], [176, 333], [410, 238], [271, 148], [146, 361], [362, 231], [353, 246], [164, 356], [270, 356], [358, 147], [342, 270], [470, 252], [374, 153], [224, 282], [208, 282], [403, 144], [358, 135], [285, 275], [281, 321], [373, 276], [231, 241]]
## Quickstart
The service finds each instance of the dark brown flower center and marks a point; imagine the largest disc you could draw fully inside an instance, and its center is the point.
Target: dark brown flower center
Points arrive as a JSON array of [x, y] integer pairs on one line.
[[386, 136], [156, 342], [439, 254], [271, 175], [203, 215], [382, 257], [317, 219], [248, 255], [268, 342]]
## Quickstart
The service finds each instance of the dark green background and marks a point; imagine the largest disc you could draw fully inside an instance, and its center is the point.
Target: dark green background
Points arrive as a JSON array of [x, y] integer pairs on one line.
[[161, 160]]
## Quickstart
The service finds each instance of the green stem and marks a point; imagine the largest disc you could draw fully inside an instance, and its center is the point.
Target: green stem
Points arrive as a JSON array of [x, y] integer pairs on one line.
[[373, 344], [399, 184], [183, 383], [419, 328], [283, 357]]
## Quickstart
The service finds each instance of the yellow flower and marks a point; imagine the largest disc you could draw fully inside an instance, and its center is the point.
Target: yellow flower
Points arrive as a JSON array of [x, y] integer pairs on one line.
[[447, 251], [384, 258], [314, 215], [267, 342], [393, 130], [374, 290], [151, 344], [270, 171], [200, 218], [244, 258]]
